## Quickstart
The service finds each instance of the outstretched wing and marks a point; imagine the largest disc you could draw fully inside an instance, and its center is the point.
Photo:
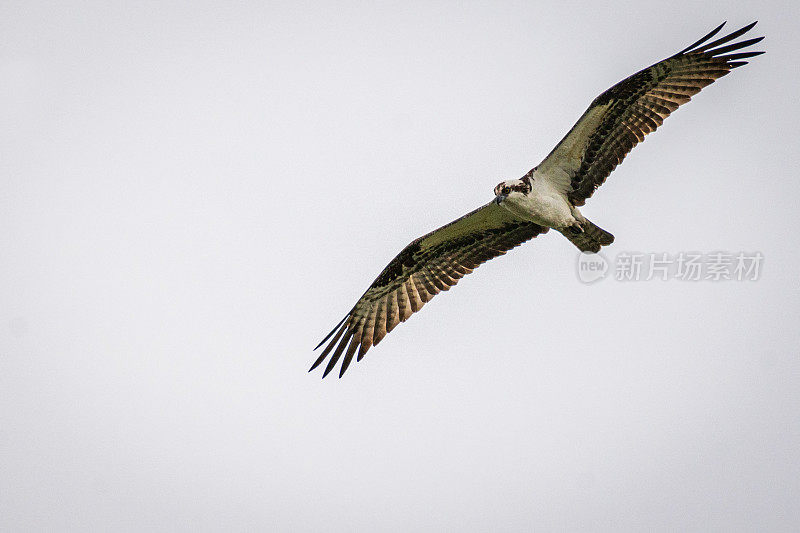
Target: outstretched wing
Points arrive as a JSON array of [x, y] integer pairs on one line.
[[434, 262], [619, 118]]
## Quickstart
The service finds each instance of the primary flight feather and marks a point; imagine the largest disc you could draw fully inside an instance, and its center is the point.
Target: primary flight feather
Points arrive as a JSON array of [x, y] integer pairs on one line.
[[546, 197]]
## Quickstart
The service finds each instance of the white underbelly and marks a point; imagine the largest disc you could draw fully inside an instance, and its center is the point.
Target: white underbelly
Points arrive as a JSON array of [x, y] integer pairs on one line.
[[543, 208]]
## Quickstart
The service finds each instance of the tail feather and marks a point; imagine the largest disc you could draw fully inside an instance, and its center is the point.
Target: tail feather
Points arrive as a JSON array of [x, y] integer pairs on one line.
[[591, 239]]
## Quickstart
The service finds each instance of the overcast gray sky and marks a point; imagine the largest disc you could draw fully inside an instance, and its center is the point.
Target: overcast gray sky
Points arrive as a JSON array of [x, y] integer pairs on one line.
[[192, 194]]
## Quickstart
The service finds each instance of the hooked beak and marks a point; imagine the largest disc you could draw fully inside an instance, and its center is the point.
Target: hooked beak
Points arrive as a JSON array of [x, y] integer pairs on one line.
[[499, 198]]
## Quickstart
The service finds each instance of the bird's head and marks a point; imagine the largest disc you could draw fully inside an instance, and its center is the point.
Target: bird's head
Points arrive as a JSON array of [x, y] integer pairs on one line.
[[511, 188]]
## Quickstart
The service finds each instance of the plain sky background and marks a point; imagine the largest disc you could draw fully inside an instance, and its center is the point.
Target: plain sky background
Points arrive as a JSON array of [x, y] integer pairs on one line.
[[193, 194]]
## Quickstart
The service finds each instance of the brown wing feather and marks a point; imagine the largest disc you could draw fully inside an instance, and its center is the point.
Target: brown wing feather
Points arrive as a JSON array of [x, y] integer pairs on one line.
[[619, 119], [429, 265]]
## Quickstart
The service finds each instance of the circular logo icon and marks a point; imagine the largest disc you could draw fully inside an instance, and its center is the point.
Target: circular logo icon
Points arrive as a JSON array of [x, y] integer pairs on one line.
[[592, 267]]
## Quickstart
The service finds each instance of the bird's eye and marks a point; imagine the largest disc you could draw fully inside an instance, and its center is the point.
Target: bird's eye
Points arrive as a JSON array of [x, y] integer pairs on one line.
[[506, 190]]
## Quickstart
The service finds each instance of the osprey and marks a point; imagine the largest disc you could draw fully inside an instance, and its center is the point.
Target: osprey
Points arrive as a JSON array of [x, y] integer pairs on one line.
[[546, 197]]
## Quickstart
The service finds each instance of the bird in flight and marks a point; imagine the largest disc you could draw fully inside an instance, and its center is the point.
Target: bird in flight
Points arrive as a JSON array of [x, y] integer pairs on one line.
[[546, 197]]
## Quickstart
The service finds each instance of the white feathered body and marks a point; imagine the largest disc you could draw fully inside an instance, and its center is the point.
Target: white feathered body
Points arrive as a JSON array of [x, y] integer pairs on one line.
[[544, 204]]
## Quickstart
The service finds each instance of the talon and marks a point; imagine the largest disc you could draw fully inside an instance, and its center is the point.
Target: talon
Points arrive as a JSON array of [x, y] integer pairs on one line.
[[576, 229]]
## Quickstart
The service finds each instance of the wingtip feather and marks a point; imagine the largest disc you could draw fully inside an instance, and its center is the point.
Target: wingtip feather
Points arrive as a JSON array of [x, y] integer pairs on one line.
[[328, 336], [342, 344], [716, 52], [317, 362], [339, 331], [703, 46], [707, 47], [703, 39]]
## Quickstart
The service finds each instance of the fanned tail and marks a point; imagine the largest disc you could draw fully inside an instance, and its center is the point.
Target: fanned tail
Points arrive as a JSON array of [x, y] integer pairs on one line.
[[591, 239]]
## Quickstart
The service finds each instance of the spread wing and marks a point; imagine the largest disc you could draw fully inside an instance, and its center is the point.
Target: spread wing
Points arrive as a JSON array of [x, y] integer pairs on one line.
[[433, 263], [620, 118]]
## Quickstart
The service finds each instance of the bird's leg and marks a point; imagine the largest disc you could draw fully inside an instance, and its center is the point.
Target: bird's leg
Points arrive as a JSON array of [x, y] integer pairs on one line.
[[577, 225], [576, 228]]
